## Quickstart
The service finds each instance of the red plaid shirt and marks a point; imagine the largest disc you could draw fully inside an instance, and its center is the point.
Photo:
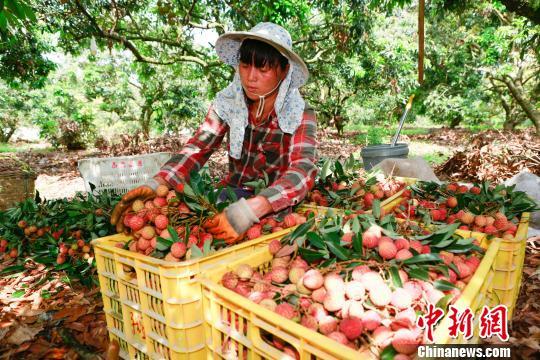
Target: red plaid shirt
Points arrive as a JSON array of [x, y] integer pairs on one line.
[[288, 160]]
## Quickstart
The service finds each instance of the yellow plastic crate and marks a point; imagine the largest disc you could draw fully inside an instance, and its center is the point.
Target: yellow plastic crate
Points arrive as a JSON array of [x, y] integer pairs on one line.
[[223, 307], [153, 307], [250, 321]]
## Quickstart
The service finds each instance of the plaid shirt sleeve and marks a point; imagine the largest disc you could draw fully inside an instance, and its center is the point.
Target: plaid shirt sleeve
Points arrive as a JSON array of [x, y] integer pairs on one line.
[[196, 151], [293, 185]]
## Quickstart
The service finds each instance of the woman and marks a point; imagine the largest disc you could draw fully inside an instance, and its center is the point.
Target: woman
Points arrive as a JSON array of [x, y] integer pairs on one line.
[[270, 130]]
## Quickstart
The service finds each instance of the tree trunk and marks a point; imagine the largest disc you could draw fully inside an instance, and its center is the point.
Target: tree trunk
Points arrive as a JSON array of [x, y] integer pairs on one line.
[[5, 136], [144, 120], [525, 8], [528, 107], [455, 122]]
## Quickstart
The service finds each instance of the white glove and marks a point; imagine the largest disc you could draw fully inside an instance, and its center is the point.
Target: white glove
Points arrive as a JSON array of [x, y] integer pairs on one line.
[[240, 216]]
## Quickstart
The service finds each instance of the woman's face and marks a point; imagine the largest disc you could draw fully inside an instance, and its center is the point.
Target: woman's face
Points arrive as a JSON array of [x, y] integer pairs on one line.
[[260, 81]]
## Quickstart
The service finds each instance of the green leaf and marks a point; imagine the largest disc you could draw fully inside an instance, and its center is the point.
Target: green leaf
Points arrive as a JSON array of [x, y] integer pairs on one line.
[[14, 268], [3, 22], [173, 233], [302, 229], [396, 279], [163, 244], [325, 171], [376, 208], [418, 273], [196, 252], [444, 285], [388, 353], [316, 240], [422, 258], [18, 294], [355, 225], [311, 255], [338, 250], [357, 242], [444, 301], [188, 191], [327, 263]]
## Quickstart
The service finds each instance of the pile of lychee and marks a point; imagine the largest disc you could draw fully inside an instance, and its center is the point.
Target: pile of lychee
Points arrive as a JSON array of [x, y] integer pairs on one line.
[[492, 224], [362, 195], [354, 305], [152, 219]]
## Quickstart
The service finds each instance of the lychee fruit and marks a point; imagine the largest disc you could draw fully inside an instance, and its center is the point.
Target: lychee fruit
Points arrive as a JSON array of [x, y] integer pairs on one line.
[[244, 272], [371, 237], [286, 310], [334, 283], [347, 238], [372, 280], [161, 222], [416, 246], [480, 220], [228, 280], [178, 249], [148, 232], [387, 250], [254, 232], [268, 304], [162, 191], [358, 271], [352, 327], [405, 341], [137, 205], [401, 244], [328, 324], [274, 246], [136, 223], [352, 308], [451, 202], [403, 254], [310, 322], [380, 296], [339, 337], [467, 218], [295, 274], [279, 274], [334, 301], [289, 220], [382, 336], [371, 320], [401, 298], [313, 279], [160, 202], [463, 269], [319, 294], [355, 290]]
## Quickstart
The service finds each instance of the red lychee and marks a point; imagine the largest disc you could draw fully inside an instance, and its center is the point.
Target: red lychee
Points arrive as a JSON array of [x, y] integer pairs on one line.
[[371, 319], [405, 341], [351, 327], [178, 250], [387, 250]]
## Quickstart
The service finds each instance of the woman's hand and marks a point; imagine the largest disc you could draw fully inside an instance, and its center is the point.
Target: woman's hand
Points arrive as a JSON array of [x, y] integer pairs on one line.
[[231, 224]]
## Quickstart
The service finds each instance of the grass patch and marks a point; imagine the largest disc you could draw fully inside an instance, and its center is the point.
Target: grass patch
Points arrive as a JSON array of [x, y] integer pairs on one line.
[[19, 147], [5, 148], [436, 158]]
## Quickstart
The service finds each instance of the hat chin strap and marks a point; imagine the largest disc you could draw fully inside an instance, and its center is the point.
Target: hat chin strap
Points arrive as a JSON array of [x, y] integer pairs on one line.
[[260, 108]]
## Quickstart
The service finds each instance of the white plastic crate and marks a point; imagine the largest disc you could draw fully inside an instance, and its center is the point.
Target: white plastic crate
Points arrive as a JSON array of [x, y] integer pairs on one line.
[[122, 173]]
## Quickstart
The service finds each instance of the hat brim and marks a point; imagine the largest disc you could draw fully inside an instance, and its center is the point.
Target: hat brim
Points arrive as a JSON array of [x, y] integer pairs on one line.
[[229, 43]]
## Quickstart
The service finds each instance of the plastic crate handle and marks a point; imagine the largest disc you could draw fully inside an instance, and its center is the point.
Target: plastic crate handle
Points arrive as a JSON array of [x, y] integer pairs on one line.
[[263, 346]]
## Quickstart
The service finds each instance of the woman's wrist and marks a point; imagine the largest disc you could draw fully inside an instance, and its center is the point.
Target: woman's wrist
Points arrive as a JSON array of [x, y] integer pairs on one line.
[[260, 206]]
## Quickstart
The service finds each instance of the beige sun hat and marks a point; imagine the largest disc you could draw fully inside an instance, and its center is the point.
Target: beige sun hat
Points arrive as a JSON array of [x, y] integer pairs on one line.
[[228, 46]]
